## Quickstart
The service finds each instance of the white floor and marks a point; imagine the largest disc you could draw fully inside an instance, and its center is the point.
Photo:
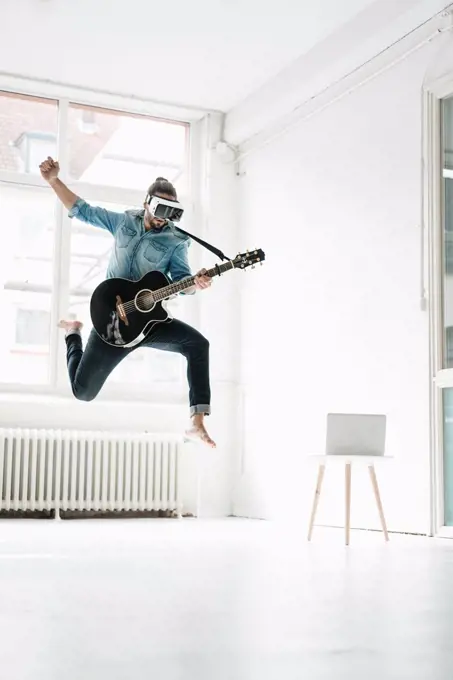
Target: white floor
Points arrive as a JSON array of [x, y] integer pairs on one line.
[[220, 600]]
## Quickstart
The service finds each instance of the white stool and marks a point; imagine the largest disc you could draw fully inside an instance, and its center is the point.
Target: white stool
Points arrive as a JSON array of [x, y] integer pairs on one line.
[[352, 440]]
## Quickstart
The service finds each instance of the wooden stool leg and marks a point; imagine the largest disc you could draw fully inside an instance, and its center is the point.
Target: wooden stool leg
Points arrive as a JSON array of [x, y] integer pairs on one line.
[[377, 496], [316, 500], [348, 501]]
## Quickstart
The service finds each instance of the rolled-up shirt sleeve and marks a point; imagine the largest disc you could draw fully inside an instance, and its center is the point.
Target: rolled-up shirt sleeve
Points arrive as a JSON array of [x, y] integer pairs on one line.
[[96, 216]]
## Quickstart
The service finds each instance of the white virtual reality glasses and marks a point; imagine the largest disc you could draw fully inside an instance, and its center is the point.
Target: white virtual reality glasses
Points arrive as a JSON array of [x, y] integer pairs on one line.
[[164, 209]]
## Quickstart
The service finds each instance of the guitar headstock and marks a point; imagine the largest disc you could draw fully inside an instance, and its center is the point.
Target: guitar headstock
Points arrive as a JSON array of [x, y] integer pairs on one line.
[[248, 259]]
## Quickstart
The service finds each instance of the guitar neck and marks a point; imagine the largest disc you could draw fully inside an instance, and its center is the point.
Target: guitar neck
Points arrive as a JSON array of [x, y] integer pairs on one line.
[[184, 284]]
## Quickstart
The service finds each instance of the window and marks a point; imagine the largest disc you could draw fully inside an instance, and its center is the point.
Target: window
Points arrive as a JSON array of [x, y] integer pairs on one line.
[[33, 147], [28, 127], [107, 147], [52, 264], [448, 230], [27, 224], [32, 327], [447, 293]]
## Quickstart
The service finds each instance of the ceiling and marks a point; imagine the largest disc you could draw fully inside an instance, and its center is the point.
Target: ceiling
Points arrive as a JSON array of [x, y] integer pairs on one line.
[[202, 53]]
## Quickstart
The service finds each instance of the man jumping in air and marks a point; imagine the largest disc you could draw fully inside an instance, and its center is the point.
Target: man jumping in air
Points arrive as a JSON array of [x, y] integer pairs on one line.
[[142, 243]]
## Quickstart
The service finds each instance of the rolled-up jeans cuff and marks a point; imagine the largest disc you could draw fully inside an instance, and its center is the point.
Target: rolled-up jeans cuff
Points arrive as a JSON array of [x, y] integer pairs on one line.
[[73, 331], [200, 408]]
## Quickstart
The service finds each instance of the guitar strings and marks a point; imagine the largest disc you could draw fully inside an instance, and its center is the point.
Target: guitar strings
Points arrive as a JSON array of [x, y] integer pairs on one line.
[[130, 306]]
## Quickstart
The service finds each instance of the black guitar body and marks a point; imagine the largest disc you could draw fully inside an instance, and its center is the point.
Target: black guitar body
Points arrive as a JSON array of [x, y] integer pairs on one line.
[[123, 312]]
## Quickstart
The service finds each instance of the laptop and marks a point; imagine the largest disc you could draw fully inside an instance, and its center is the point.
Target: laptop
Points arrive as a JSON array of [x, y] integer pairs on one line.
[[351, 434]]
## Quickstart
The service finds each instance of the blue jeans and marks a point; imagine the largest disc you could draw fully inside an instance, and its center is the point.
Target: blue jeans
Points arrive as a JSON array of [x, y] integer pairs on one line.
[[88, 370]]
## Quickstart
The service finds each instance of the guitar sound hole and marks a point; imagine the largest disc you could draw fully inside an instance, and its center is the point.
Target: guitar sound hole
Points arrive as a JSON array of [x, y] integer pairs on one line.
[[144, 300]]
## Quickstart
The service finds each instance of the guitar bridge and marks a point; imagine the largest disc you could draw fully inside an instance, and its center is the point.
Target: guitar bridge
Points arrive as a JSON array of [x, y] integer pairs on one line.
[[121, 311]]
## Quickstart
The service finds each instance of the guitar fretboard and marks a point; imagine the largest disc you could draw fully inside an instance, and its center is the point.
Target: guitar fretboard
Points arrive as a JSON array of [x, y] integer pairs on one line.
[[184, 284]]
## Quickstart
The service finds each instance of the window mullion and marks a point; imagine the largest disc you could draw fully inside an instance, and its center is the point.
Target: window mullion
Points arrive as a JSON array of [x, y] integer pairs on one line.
[[62, 246]]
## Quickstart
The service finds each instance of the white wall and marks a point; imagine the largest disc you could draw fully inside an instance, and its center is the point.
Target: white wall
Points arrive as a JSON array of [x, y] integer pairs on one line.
[[333, 321]]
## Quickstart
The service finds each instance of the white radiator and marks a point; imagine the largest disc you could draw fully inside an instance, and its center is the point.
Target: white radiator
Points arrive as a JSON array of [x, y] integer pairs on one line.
[[88, 471]]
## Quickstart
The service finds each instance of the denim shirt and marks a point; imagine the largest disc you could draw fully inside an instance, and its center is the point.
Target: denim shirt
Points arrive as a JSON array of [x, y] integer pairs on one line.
[[137, 251]]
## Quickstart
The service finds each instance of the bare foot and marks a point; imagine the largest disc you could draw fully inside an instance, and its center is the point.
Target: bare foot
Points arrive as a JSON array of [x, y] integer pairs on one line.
[[70, 325], [198, 433]]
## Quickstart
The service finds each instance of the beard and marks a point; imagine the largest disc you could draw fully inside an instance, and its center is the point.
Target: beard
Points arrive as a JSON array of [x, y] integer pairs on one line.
[[154, 222], [158, 224]]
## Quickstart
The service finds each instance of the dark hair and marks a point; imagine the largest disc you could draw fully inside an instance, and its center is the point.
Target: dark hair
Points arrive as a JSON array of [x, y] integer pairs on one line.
[[162, 186]]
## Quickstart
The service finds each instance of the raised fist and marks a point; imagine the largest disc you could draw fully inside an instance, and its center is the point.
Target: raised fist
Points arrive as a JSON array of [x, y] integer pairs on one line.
[[49, 169]]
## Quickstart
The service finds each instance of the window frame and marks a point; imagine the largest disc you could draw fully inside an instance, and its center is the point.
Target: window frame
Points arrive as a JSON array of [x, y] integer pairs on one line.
[[58, 383], [432, 218]]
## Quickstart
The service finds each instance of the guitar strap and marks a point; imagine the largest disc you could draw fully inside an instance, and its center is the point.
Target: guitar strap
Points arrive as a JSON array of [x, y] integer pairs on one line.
[[208, 246]]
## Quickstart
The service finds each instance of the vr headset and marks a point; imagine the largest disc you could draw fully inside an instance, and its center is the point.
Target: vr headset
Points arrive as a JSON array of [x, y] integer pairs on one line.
[[163, 209]]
